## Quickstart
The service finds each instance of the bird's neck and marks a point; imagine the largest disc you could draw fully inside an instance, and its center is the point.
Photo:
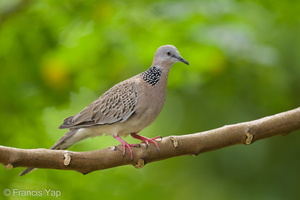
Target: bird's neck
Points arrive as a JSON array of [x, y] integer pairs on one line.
[[154, 75]]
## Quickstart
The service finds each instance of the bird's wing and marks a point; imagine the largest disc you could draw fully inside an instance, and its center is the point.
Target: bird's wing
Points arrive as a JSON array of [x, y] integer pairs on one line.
[[115, 105]]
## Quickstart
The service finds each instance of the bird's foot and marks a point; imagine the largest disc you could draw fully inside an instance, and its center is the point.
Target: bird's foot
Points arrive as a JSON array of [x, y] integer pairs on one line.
[[126, 145], [147, 140]]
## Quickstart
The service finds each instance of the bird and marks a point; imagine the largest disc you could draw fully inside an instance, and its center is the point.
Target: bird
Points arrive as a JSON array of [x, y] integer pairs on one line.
[[126, 108]]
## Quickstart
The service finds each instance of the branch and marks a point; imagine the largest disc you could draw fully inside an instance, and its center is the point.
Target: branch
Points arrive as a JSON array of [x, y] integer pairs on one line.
[[171, 146]]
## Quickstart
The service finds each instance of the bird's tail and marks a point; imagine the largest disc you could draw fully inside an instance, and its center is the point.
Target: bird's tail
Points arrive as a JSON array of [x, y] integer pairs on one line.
[[63, 143], [26, 171]]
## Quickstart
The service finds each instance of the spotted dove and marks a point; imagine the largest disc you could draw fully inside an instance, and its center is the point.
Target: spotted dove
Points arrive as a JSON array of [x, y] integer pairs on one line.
[[126, 108]]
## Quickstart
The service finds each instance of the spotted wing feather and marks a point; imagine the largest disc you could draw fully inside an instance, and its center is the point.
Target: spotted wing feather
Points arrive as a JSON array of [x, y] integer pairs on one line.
[[115, 105]]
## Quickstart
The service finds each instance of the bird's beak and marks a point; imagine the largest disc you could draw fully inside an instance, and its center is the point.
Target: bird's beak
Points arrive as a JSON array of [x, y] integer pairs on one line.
[[182, 60]]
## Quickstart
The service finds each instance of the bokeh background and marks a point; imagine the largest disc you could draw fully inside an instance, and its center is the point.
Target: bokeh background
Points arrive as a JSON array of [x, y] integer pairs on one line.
[[56, 57]]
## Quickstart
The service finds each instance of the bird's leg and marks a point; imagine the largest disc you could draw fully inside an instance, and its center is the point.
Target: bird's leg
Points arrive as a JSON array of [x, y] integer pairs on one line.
[[126, 145], [147, 140]]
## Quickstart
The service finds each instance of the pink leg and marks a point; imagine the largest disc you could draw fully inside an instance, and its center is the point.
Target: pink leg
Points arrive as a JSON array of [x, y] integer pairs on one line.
[[126, 145], [146, 140]]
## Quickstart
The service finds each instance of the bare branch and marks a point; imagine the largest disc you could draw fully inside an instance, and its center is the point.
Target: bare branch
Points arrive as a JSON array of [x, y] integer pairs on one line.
[[191, 144]]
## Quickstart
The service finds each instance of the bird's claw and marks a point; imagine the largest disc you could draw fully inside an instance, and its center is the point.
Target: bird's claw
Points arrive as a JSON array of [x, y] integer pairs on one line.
[[146, 140], [126, 145]]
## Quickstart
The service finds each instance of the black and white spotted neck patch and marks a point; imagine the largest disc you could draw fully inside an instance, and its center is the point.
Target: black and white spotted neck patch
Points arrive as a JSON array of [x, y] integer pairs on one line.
[[152, 75]]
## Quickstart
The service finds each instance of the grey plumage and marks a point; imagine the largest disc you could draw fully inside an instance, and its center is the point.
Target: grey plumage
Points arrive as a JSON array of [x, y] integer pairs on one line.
[[126, 108], [115, 105]]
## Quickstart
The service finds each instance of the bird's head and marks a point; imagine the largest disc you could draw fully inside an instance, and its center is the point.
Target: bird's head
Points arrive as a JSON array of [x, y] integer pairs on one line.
[[167, 55]]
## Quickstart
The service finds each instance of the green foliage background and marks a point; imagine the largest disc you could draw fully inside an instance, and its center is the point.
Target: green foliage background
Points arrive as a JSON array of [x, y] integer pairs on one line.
[[58, 56]]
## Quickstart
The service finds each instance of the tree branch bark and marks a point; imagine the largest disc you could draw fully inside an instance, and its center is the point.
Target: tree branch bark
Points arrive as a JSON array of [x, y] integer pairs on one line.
[[171, 146]]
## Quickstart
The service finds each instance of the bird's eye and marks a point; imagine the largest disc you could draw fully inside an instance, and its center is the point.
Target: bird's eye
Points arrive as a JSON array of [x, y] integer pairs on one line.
[[168, 53]]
